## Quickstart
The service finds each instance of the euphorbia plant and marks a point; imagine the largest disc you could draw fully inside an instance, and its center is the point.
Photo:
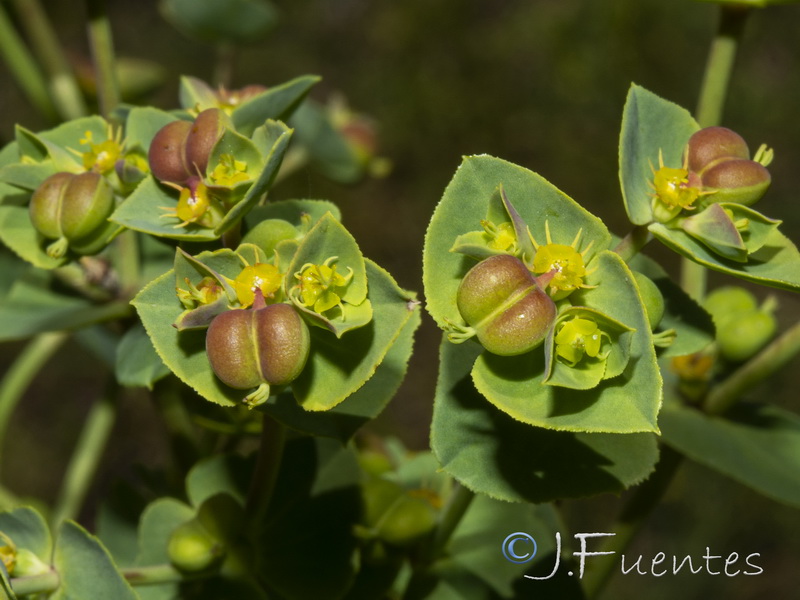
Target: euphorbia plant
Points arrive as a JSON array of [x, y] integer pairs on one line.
[[570, 364]]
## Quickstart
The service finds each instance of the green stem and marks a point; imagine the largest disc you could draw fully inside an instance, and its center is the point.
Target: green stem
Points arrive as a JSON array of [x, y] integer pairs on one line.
[[86, 457], [128, 263], [64, 88], [710, 105], [756, 370], [451, 516], [631, 244], [270, 453], [25, 368], [182, 434], [24, 69], [633, 516], [36, 584], [225, 60], [102, 45], [150, 575]]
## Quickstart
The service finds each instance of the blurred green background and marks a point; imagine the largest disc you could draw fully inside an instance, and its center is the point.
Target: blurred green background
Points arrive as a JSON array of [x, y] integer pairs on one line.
[[538, 82]]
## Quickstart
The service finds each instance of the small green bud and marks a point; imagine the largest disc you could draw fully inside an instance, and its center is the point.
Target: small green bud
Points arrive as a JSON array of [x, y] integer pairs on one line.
[[262, 345], [192, 548], [742, 337], [408, 520], [729, 300], [502, 301], [268, 233]]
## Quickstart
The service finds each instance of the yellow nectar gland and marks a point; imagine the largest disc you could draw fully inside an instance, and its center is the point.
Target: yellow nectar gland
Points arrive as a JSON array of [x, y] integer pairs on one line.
[[577, 338], [672, 190], [193, 205], [320, 287], [500, 237], [101, 157], [566, 261], [260, 276], [229, 171]]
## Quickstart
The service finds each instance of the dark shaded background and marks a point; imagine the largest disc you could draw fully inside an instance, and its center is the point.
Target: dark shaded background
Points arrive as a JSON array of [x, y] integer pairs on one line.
[[538, 82]]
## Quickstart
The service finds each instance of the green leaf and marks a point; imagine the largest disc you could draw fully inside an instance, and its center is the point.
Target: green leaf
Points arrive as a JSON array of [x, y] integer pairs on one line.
[[466, 202], [327, 239], [649, 124], [692, 324], [75, 549], [328, 150], [272, 162], [144, 211], [278, 102], [625, 404], [758, 445], [117, 522], [27, 176], [338, 367], [142, 125], [31, 307], [137, 364], [17, 232], [27, 529], [776, 264], [222, 21], [477, 541], [343, 420], [312, 515], [221, 473], [491, 453]]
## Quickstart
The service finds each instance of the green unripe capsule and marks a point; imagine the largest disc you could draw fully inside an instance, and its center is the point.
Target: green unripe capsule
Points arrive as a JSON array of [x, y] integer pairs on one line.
[[258, 347], [502, 301], [712, 144], [729, 301], [192, 548], [72, 209], [742, 181], [742, 337]]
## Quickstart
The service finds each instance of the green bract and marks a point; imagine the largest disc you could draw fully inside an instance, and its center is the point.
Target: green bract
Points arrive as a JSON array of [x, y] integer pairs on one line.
[[701, 214], [495, 209]]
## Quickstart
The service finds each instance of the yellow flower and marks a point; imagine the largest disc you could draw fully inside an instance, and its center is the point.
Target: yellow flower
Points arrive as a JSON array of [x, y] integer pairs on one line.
[[500, 237], [229, 171], [578, 337], [103, 156], [320, 286], [260, 276], [566, 261]]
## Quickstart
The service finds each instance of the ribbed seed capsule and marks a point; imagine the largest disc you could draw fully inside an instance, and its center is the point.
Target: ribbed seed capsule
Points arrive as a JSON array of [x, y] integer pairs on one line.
[[262, 345], [502, 301], [167, 154], [712, 144]]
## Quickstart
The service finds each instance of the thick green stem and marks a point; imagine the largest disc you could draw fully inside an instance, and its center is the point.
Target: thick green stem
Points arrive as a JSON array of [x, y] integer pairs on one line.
[[451, 516], [86, 457], [753, 372], [270, 454], [128, 263], [633, 516], [150, 575], [24, 69], [631, 244], [225, 61], [24, 369], [101, 42], [64, 88]]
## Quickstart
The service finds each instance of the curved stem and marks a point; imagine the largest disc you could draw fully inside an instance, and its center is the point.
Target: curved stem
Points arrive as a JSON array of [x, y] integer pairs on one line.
[[756, 370], [86, 457], [710, 105], [270, 453], [64, 88], [24, 69], [101, 42], [36, 584], [631, 244], [225, 61], [631, 519], [25, 368]]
